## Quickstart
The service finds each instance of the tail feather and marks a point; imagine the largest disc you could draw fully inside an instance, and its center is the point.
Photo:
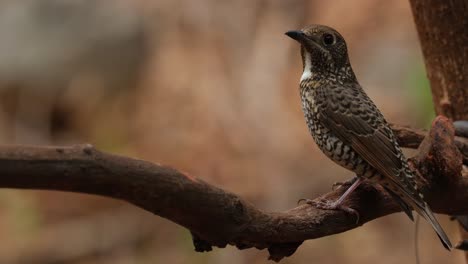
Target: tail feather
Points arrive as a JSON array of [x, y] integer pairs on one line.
[[404, 206], [426, 212], [421, 207]]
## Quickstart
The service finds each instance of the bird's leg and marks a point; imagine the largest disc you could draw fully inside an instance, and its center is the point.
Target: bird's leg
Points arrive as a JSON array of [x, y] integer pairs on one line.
[[337, 205], [348, 182], [353, 187]]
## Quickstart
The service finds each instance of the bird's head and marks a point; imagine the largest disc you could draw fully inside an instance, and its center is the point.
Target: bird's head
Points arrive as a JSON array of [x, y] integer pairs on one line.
[[323, 51]]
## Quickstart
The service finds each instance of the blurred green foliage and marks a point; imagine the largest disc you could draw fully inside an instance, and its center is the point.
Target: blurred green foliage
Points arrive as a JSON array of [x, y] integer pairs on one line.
[[419, 93]]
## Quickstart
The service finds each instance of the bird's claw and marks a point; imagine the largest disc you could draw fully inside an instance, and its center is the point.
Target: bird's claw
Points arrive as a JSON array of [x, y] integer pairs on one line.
[[328, 205]]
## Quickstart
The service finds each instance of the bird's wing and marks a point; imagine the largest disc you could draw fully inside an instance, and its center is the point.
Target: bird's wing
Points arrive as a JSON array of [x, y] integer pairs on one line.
[[352, 117]]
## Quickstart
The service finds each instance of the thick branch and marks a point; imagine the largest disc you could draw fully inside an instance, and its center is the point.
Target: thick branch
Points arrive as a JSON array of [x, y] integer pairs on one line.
[[412, 138], [216, 217]]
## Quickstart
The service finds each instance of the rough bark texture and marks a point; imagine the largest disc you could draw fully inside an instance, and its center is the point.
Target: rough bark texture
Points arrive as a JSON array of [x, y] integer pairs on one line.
[[217, 217], [443, 32], [411, 138]]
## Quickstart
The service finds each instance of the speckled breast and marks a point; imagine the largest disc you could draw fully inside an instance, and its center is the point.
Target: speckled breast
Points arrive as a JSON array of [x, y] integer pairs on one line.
[[332, 146]]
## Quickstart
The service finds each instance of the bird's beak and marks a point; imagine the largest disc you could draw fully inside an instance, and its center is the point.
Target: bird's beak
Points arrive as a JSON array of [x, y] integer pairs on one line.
[[297, 35]]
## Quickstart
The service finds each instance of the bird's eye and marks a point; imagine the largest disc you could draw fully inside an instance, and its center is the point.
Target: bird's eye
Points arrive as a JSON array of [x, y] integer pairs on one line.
[[328, 39]]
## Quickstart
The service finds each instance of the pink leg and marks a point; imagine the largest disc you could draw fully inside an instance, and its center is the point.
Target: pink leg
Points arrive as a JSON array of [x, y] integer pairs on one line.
[[353, 187], [348, 182]]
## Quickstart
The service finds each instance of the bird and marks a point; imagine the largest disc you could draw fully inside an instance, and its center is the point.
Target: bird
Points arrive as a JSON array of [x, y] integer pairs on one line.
[[349, 128]]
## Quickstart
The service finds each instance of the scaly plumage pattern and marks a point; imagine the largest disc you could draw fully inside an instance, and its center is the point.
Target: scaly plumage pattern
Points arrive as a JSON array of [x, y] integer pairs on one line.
[[348, 127]]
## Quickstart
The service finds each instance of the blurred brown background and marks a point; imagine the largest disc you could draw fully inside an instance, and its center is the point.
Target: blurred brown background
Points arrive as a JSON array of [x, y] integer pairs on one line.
[[209, 87]]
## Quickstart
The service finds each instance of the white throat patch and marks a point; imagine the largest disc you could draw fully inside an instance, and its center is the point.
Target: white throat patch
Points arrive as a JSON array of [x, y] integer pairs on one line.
[[307, 67]]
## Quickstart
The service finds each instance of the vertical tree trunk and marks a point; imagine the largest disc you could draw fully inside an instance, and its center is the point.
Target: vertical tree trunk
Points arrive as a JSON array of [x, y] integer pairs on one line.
[[443, 32]]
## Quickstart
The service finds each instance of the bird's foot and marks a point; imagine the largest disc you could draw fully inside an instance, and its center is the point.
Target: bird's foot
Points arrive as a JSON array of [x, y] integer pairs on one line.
[[329, 205], [349, 182]]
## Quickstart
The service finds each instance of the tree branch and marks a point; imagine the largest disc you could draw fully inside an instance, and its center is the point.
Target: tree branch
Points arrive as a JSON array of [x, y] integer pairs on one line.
[[412, 138], [217, 217]]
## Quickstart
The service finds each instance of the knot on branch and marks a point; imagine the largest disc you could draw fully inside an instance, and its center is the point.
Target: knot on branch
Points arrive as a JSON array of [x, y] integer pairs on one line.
[[438, 156], [439, 163]]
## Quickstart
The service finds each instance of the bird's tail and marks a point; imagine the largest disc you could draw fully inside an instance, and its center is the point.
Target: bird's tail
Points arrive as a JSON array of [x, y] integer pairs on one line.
[[422, 208], [425, 211]]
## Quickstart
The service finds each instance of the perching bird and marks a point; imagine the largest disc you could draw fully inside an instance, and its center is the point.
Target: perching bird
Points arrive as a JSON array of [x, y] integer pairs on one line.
[[349, 128]]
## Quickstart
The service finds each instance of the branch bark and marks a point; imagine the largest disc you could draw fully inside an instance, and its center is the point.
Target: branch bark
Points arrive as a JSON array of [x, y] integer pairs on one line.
[[217, 217]]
